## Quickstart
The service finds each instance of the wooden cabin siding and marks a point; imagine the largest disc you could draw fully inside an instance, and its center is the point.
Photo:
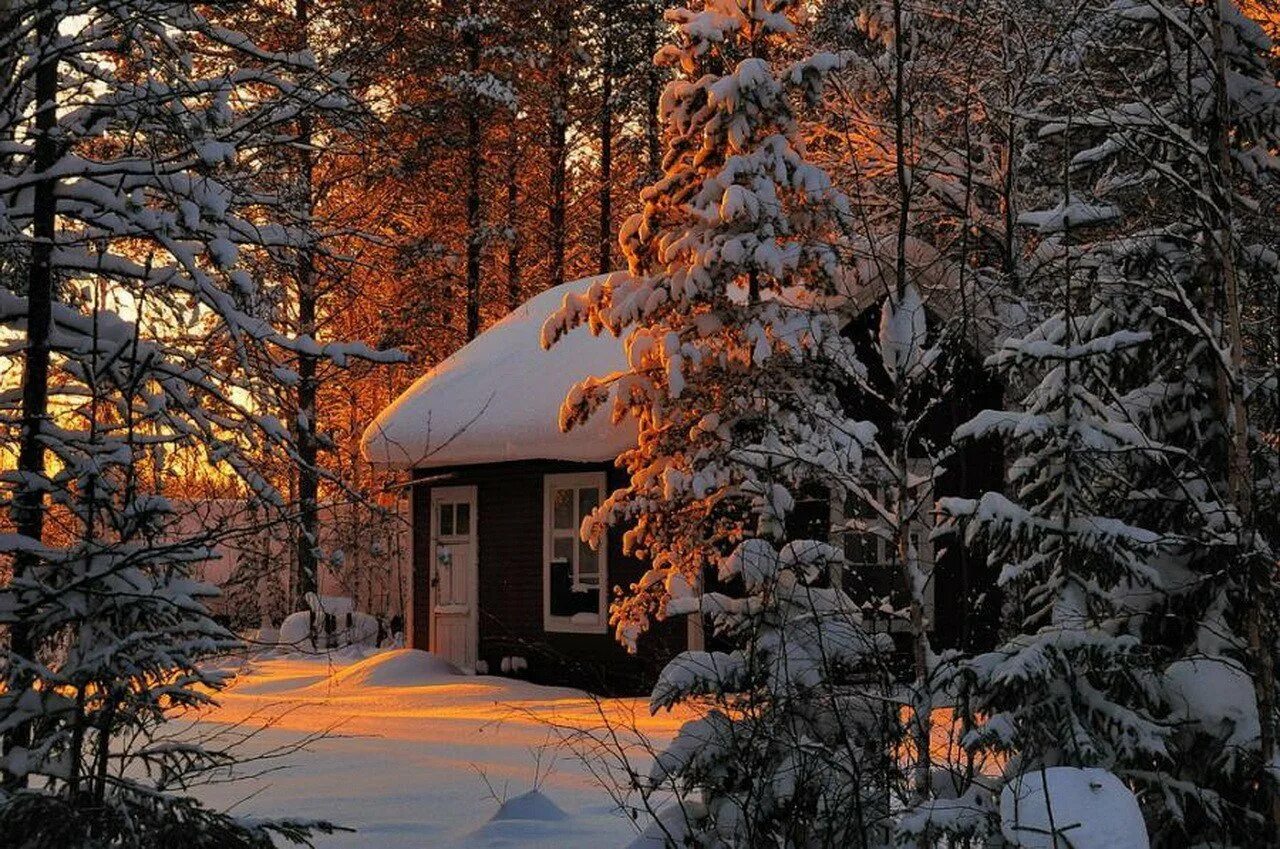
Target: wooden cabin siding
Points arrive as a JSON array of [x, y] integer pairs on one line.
[[510, 592], [419, 596], [966, 599]]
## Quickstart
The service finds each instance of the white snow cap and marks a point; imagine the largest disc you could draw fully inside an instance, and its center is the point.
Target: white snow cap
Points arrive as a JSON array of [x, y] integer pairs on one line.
[[1087, 808], [498, 398]]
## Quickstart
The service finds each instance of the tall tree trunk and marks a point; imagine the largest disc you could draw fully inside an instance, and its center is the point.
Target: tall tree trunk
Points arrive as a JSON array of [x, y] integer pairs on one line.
[[652, 93], [1260, 571], [907, 556], [307, 578], [28, 502], [1008, 166], [513, 221], [606, 151], [475, 238], [557, 141]]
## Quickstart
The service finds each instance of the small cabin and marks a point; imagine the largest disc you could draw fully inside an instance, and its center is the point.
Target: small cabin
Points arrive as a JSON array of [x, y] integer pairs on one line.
[[501, 584]]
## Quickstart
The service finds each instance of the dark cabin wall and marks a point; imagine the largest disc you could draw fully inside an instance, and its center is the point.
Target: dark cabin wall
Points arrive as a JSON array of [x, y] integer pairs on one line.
[[419, 614], [509, 541], [966, 600]]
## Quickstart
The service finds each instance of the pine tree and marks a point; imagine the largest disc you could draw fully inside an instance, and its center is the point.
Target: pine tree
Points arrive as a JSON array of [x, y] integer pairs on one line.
[[1068, 688], [730, 314]]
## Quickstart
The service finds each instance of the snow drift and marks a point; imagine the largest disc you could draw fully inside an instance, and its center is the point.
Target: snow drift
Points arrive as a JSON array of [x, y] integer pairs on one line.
[[397, 668]]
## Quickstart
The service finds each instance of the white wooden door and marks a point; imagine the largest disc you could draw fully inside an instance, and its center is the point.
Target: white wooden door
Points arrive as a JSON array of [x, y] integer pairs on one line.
[[453, 575]]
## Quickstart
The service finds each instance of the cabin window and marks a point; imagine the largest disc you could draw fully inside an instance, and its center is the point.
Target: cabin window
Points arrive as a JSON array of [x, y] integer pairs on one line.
[[574, 577], [872, 574], [453, 519]]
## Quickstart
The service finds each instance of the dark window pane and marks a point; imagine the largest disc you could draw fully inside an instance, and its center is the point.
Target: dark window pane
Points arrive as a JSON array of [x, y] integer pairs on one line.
[[562, 510], [862, 548], [462, 522], [566, 602], [809, 519], [446, 520], [588, 565], [588, 500]]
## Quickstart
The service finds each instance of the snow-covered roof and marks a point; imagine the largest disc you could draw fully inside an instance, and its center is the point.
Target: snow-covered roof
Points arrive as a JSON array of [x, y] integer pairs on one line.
[[498, 398]]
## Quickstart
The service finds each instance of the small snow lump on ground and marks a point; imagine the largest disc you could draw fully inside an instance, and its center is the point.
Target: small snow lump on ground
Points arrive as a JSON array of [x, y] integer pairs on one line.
[[1087, 808], [534, 805]]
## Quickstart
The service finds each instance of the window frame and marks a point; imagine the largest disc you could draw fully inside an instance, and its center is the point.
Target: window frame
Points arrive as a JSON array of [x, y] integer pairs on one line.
[[575, 481], [923, 524]]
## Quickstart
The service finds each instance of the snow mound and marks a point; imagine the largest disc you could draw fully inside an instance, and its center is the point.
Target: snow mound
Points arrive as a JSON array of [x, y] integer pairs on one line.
[[338, 605], [1088, 808], [295, 630], [523, 821], [396, 668], [283, 684], [534, 805]]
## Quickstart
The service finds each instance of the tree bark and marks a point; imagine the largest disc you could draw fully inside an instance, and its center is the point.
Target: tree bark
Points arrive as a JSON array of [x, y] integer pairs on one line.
[[475, 238], [606, 152], [557, 141], [1259, 575], [513, 221], [29, 502], [921, 650], [651, 94], [307, 578]]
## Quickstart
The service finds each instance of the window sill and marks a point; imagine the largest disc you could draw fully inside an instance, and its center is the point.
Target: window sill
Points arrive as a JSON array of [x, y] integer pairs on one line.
[[566, 625]]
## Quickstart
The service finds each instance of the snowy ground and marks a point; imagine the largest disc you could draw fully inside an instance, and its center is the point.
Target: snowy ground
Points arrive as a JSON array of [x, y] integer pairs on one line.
[[419, 750]]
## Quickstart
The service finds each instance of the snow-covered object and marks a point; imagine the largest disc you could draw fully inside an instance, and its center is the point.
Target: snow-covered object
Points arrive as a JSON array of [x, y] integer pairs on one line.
[[335, 604], [513, 664], [396, 668], [295, 630], [1072, 551], [1135, 354], [165, 174], [1066, 215], [350, 629], [1084, 809], [670, 828], [903, 331], [734, 352], [525, 820], [1217, 695], [534, 806], [267, 635], [498, 398]]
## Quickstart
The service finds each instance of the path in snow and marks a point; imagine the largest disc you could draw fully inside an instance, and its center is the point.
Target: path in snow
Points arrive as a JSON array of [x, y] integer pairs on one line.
[[421, 746]]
